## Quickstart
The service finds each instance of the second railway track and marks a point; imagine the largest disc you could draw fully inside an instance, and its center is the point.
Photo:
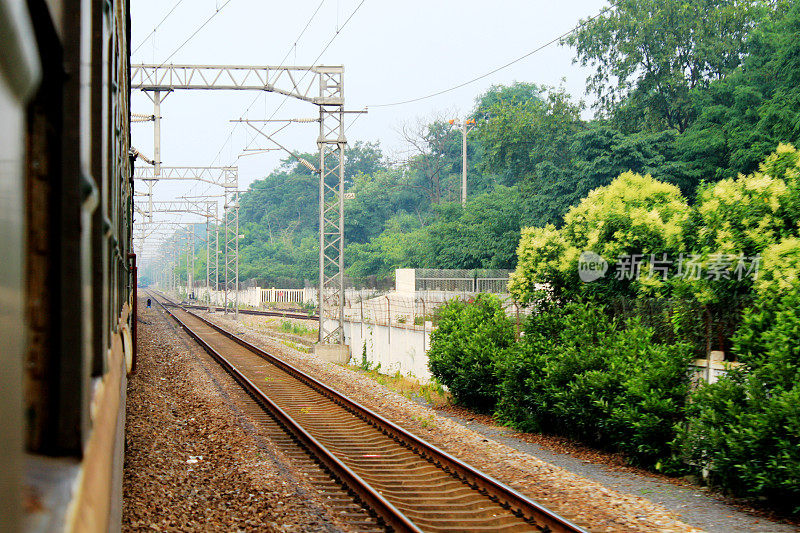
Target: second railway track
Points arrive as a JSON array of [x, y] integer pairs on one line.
[[409, 484]]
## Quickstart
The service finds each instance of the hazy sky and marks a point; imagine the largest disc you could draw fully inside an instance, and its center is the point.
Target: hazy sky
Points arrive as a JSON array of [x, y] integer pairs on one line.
[[391, 52]]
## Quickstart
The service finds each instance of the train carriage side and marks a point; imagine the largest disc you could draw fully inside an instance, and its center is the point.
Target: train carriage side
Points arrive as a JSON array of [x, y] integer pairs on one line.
[[67, 281]]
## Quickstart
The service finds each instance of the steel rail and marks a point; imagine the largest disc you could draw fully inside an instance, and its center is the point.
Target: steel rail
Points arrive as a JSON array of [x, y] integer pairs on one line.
[[382, 507], [506, 496], [298, 316]]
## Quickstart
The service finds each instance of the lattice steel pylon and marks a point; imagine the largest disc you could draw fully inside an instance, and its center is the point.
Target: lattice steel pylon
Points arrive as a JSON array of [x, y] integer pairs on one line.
[[165, 230], [226, 177], [231, 241], [325, 88], [204, 208], [331, 145]]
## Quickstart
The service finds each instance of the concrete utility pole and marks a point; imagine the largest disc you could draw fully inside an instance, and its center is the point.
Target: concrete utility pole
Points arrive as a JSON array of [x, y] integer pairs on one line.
[[466, 126]]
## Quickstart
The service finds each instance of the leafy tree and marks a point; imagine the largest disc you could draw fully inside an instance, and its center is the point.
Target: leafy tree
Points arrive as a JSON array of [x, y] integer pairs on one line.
[[594, 158], [650, 54], [363, 158], [601, 153], [525, 125], [734, 221], [743, 117], [400, 245], [433, 158], [378, 197], [743, 430], [482, 235], [541, 273], [634, 216]]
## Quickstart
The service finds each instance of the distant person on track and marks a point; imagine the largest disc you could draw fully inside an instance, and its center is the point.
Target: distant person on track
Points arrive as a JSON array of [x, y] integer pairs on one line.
[[148, 303]]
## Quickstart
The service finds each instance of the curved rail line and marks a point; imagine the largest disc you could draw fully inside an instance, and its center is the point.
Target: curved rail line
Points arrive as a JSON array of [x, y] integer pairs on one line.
[[410, 484]]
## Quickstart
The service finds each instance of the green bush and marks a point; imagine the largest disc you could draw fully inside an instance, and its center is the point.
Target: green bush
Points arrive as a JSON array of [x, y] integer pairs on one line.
[[465, 347], [581, 374], [744, 430]]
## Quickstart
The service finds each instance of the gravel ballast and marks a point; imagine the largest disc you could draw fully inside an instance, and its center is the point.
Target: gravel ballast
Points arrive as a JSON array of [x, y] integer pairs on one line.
[[193, 460]]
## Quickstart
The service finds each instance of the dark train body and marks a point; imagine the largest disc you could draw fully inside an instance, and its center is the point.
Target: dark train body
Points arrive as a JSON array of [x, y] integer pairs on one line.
[[68, 277]]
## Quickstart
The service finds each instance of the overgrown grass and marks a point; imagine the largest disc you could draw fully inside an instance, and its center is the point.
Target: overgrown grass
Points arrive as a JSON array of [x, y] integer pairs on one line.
[[432, 393], [288, 326], [296, 346]]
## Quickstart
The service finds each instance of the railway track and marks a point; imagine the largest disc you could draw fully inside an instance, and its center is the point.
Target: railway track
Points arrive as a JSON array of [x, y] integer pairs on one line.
[[282, 314], [407, 483]]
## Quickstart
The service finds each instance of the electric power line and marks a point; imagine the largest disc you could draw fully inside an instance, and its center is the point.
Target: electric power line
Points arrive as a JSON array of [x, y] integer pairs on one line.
[[255, 98], [336, 34], [179, 2], [203, 25], [517, 60], [300, 36], [286, 97]]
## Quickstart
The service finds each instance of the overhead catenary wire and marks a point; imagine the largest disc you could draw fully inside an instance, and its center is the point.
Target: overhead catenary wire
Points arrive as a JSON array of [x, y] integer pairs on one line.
[[198, 30], [286, 97], [335, 35], [501, 67], [255, 98], [152, 33]]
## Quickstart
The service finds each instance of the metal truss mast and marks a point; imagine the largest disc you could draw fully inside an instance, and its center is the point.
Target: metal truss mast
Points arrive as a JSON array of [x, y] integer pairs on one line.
[[228, 179], [319, 85]]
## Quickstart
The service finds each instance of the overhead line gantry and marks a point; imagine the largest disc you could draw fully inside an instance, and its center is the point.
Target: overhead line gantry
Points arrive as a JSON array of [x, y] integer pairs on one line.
[[319, 85]]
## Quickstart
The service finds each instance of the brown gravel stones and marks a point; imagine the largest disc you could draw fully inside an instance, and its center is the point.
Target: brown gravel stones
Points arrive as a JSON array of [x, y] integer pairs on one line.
[[191, 464]]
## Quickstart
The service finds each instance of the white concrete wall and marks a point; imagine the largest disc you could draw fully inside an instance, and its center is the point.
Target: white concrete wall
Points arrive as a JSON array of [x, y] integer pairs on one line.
[[395, 348], [405, 281]]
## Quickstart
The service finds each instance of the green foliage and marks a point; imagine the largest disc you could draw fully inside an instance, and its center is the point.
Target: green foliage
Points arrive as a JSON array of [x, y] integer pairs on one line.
[[577, 372], [745, 428], [296, 329], [650, 54], [398, 246], [365, 364], [526, 132], [742, 218], [744, 215], [600, 153], [634, 214], [378, 198], [484, 235], [543, 254], [279, 216], [524, 125], [742, 117], [465, 347], [781, 267]]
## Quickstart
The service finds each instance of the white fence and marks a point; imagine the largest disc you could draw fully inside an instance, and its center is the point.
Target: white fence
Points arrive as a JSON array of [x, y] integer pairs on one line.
[[413, 280], [256, 296]]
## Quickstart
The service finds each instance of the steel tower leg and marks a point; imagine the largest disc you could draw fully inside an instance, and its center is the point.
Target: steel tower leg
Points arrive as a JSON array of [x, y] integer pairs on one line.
[[331, 144]]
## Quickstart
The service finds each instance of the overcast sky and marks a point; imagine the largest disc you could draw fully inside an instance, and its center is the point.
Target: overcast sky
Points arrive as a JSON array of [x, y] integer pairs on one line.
[[391, 52]]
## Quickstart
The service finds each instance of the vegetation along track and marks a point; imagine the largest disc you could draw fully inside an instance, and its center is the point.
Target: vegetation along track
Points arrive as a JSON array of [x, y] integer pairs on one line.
[[409, 484]]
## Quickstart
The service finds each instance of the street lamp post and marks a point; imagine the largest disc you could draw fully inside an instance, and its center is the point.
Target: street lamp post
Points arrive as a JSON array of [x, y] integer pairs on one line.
[[466, 126]]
